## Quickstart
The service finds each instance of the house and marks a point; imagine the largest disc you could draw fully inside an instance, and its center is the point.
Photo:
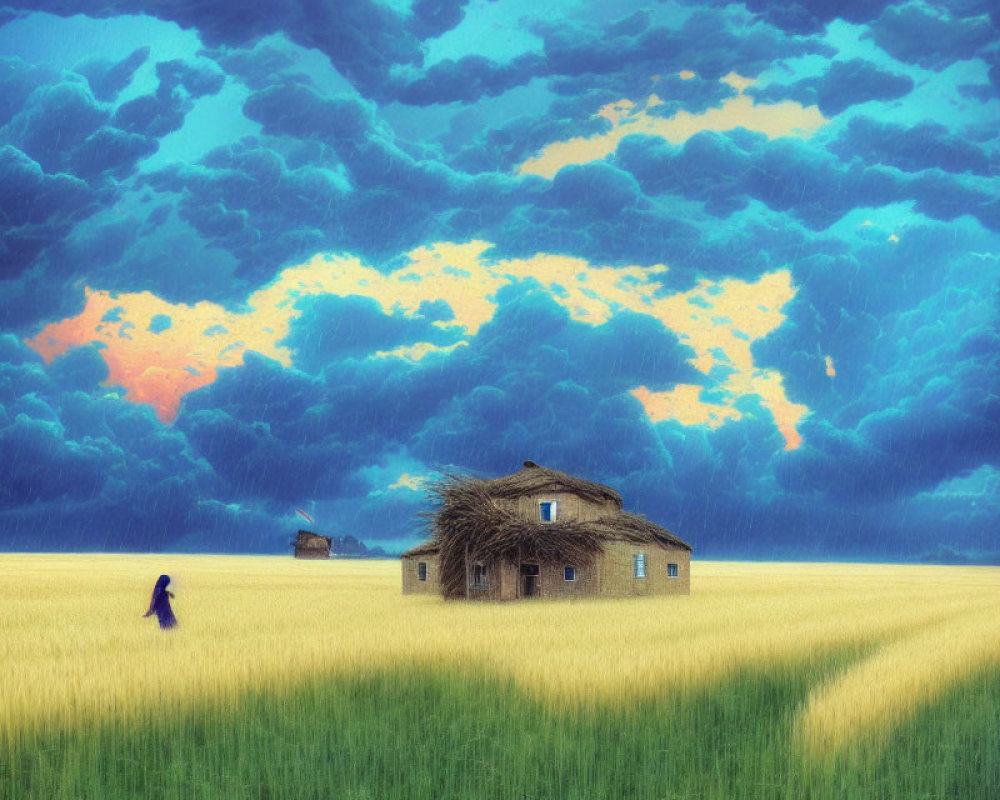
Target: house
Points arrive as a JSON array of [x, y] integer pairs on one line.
[[420, 570], [311, 545], [542, 533]]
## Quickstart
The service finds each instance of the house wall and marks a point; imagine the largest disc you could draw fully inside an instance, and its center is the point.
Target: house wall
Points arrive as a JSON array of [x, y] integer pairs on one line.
[[505, 582], [411, 575], [554, 584], [311, 545], [570, 506], [610, 575], [312, 552], [508, 572], [615, 567]]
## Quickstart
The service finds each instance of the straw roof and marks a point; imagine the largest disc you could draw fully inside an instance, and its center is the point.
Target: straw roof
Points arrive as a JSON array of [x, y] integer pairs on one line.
[[310, 539], [426, 549], [531, 479], [628, 527], [470, 525]]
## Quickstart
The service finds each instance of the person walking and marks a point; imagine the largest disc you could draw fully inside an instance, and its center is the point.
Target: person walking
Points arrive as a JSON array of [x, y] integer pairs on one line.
[[160, 604]]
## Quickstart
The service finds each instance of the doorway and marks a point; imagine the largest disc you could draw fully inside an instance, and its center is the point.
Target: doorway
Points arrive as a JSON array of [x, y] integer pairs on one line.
[[529, 580]]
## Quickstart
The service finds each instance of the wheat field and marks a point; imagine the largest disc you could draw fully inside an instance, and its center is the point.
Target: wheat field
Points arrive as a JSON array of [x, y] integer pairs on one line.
[[870, 647]]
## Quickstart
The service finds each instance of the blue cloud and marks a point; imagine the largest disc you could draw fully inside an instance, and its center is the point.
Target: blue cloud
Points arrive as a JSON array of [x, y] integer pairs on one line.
[[331, 329], [106, 474], [59, 117], [194, 79], [943, 197], [812, 16], [921, 406], [258, 68], [180, 84], [844, 84], [17, 81], [361, 38], [246, 200], [505, 146], [37, 208], [919, 36], [705, 43], [927, 145], [724, 170], [466, 80], [102, 472], [80, 369], [541, 385], [595, 191], [110, 153], [107, 78], [41, 465], [303, 112], [431, 18], [619, 58], [64, 130]]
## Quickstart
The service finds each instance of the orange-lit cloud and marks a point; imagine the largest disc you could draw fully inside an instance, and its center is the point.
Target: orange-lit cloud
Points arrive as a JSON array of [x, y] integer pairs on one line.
[[786, 118], [830, 370], [408, 481], [739, 82], [684, 404], [158, 368], [719, 320]]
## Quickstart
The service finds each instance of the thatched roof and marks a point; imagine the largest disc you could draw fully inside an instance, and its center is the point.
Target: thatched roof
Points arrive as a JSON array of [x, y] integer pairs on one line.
[[471, 526], [426, 549], [628, 527], [532, 479], [310, 539]]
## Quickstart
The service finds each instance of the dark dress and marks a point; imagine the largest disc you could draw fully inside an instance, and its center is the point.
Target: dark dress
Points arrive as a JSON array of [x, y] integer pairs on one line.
[[160, 604]]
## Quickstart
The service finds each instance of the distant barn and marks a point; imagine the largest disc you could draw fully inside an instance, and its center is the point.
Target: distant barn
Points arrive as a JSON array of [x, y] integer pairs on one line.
[[542, 533], [312, 545]]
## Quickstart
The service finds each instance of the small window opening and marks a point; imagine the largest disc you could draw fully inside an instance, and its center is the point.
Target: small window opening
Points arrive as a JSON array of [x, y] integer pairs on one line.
[[548, 511], [639, 565], [671, 570], [479, 577], [569, 573], [422, 571]]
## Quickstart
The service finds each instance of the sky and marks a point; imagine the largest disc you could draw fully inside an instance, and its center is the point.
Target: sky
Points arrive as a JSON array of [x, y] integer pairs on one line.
[[738, 261]]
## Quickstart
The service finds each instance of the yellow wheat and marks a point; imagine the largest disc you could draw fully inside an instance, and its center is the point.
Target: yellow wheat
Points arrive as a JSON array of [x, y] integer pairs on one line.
[[75, 648], [862, 705]]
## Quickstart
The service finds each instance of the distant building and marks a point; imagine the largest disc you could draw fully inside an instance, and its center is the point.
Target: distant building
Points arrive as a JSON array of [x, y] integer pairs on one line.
[[312, 545], [542, 533], [420, 570]]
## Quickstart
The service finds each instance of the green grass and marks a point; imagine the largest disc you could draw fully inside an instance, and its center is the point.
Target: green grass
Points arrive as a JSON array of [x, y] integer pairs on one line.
[[949, 750], [414, 735]]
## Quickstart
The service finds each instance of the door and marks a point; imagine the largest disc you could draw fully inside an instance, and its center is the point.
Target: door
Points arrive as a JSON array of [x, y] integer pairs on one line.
[[529, 580]]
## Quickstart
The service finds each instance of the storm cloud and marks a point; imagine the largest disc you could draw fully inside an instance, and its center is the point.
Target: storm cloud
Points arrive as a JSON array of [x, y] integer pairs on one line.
[[252, 262]]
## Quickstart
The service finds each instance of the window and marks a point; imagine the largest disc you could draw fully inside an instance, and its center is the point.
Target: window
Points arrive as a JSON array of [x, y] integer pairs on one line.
[[548, 511], [671, 570], [479, 576], [639, 565], [422, 571], [569, 573]]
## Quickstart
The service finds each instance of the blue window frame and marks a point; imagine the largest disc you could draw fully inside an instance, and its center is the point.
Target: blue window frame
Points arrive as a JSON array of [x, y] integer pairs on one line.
[[569, 573], [671, 570], [639, 565], [548, 511]]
